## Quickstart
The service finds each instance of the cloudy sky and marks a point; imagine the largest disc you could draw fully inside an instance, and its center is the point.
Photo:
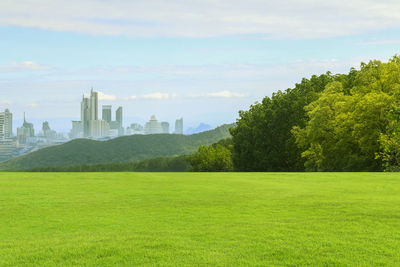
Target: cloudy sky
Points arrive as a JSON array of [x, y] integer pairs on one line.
[[200, 60]]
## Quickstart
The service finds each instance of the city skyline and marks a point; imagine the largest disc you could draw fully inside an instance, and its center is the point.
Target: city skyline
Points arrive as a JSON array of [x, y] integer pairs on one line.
[[90, 125]]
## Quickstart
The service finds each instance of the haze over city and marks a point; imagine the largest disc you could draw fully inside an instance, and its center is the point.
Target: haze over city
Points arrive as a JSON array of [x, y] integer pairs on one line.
[[202, 60]]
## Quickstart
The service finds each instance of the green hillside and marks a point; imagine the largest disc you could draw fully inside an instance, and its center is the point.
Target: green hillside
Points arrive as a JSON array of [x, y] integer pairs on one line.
[[199, 219], [122, 149]]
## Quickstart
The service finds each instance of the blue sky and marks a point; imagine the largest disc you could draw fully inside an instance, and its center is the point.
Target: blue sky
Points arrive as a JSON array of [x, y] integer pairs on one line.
[[201, 60]]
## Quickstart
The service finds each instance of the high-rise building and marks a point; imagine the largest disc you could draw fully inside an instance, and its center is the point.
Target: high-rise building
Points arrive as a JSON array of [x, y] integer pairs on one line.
[[153, 126], [165, 127], [94, 100], [134, 128], [77, 130], [85, 116], [118, 116], [90, 123], [48, 132], [106, 113], [98, 128], [25, 132], [179, 126], [5, 125]]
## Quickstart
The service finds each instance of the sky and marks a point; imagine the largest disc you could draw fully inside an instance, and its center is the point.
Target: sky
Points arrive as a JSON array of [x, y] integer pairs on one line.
[[200, 60]]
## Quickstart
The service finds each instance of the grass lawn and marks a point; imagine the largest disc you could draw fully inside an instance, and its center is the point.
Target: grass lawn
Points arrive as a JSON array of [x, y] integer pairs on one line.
[[191, 219]]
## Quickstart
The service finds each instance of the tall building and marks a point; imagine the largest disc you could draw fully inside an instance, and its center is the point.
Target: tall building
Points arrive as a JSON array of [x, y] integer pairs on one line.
[[25, 132], [77, 130], [48, 132], [94, 100], [98, 128], [135, 128], [153, 126], [91, 125], [165, 127], [179, 126], [5, 125], [85, 116], [106, 113], [118, 116]]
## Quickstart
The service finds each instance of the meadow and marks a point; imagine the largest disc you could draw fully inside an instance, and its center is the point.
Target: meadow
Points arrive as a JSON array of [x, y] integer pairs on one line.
[[197, 219]]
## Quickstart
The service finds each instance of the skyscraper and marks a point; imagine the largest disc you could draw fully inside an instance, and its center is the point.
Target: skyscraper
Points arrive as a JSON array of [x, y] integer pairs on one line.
[[85, 116], [153, 126], [118, 116], [5, 124], [106, 113], [94, 109], [98, 128], [165, 127], [179, 126], [25, 132]]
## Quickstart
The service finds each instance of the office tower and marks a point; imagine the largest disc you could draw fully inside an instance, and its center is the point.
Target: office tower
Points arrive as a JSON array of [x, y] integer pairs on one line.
[[77, 130], [153, 126], [134, 128], [118, 116], [179, 126], [85, 116], [5, 125], [45, 127], [25, 132], [94, 99], [48, 132], [90, 123], [106, 113], [165, 127], [99, 128]]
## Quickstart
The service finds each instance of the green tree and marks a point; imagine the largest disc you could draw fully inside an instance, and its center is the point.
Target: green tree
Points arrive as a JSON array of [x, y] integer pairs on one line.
[[262, 139], [390, 143], [212, 158], [346, 126]]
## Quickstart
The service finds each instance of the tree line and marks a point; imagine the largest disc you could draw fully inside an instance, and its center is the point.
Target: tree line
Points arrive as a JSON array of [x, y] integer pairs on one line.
[[342, 122]]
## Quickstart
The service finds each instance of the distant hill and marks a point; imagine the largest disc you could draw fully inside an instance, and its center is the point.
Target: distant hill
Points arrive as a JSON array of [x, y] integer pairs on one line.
[[118, 150], [201, 128]]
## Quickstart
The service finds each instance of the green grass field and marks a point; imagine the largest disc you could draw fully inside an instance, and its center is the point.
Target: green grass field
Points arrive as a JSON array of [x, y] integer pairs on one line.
[[192, 219]]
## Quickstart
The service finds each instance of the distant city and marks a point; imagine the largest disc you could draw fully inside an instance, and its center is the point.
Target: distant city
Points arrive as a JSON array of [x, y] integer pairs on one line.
[[89, 126]]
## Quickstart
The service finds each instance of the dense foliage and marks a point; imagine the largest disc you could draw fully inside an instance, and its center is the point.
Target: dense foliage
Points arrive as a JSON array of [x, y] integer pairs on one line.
[[172, 164], [216, 157], [328, 123], [262, 138], [132, 148]]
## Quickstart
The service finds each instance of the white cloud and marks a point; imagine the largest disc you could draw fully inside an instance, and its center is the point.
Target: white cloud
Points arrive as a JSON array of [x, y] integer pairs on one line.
[[225, 94], [24, 66], [221, 94], [103, 96], [205, 18], [5, 103], [156, 96], [32, 105], [132, 97]]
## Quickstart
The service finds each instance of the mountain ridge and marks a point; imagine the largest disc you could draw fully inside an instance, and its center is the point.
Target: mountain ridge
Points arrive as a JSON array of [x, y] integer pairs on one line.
[[117, 150]]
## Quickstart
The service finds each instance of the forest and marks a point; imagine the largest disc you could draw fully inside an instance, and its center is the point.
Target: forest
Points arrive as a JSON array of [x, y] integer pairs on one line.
[[341, 122]]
